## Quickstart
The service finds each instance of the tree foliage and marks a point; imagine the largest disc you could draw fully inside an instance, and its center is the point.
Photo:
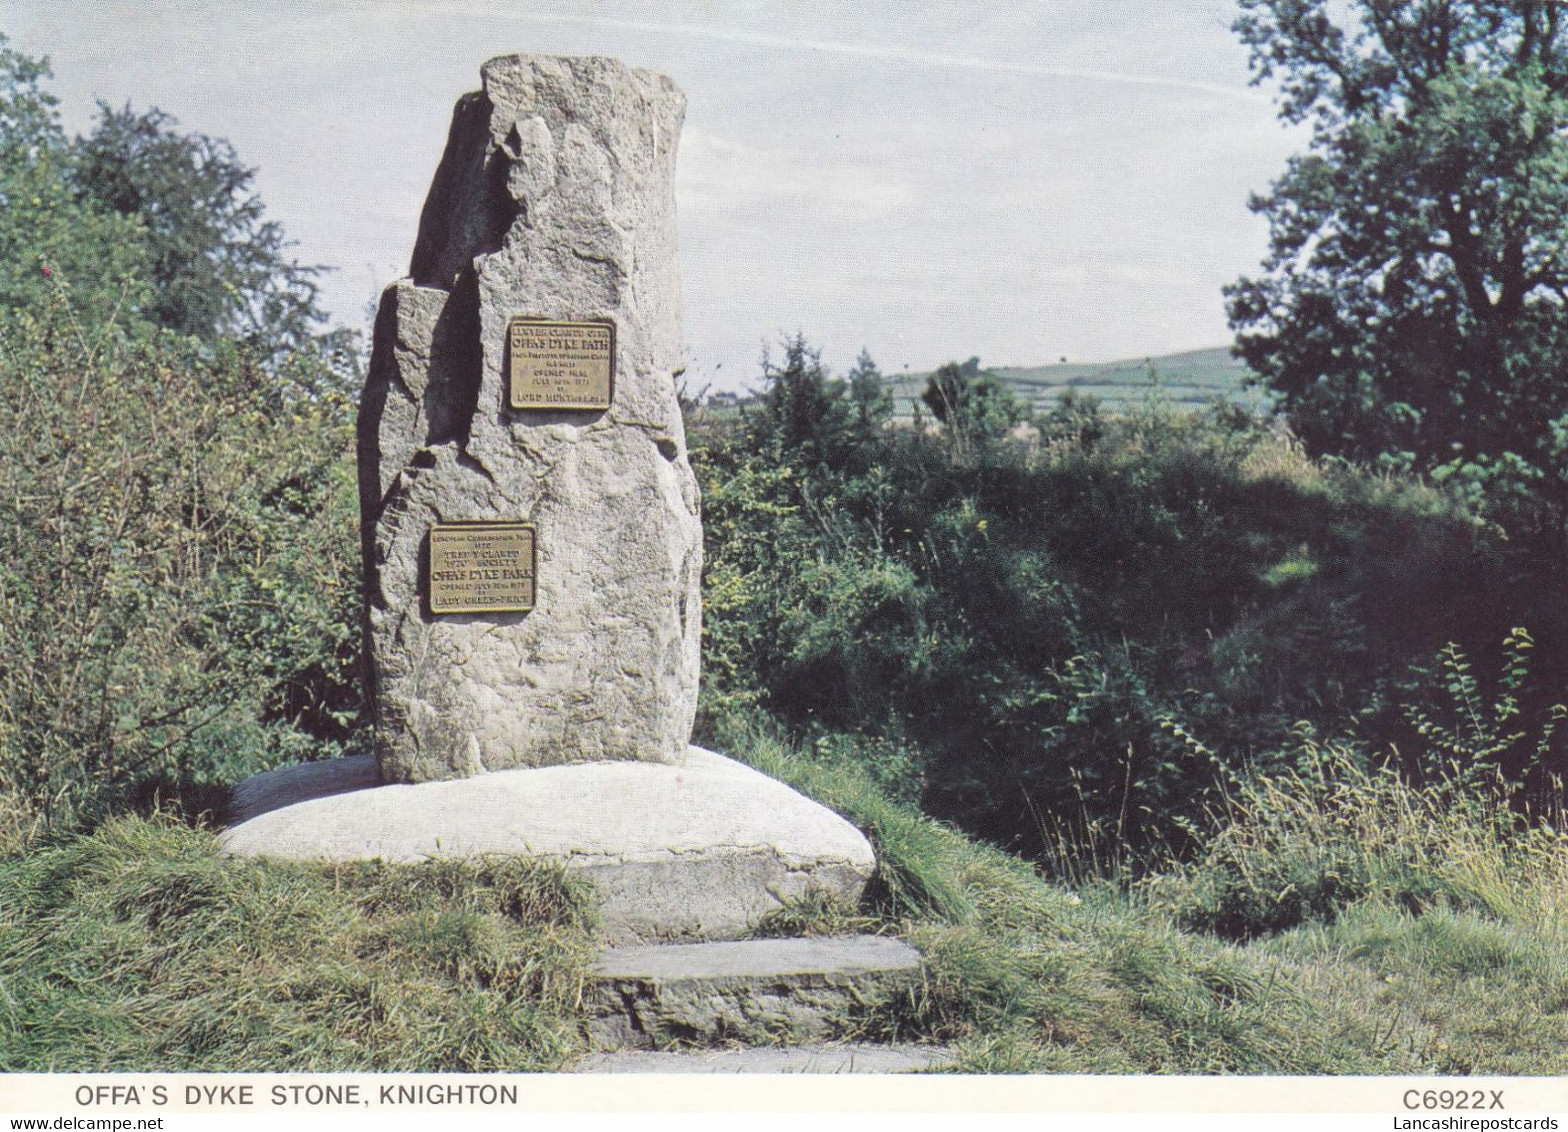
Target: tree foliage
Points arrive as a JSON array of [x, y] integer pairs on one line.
[[804, 415], [870, 399], [178, 563], [971, 404], [151, 227], [216, 264], [47, 232], [1412, 301]]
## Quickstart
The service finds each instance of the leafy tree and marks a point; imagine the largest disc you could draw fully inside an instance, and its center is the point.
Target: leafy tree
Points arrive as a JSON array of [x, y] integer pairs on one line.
[[218, 266], [805, 415], [973, 405], [148, 227], [48, 234], [1412, 301], [870, 400]]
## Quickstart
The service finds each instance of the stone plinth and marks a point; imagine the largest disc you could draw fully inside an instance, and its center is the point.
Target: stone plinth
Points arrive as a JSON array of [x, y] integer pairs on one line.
[[698, 849]]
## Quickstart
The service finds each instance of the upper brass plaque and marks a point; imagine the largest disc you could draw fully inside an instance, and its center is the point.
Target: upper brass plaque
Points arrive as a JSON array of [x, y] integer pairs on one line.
[[482, 567], [560, 365]]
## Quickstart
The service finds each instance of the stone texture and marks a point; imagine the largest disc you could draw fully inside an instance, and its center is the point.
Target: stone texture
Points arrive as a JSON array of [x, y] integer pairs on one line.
[[554, 199], [851, 1057], [759, 990], [702, 848]]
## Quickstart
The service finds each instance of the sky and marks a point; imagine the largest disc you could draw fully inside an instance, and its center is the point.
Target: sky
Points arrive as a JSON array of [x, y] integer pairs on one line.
[[1019, 181]]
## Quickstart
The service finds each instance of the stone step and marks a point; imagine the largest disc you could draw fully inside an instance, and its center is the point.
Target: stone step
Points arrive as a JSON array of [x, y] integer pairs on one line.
[[853, 1057], [754, 992]]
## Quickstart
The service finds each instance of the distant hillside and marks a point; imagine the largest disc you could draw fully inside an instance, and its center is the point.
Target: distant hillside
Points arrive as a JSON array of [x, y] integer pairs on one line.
[[1189, 380]]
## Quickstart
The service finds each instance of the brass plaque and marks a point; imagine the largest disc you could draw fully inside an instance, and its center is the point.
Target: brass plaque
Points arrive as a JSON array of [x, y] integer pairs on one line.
[[560, 365], [482, 567]]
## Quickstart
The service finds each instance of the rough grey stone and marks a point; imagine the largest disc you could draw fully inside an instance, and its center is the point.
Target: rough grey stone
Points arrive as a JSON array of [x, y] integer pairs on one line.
[[851, 1057], [759, 990], [702, 848], [554, 199]]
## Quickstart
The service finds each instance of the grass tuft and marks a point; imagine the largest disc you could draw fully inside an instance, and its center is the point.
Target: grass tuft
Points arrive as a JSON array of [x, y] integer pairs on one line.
[[1303, 846], [142, 947]]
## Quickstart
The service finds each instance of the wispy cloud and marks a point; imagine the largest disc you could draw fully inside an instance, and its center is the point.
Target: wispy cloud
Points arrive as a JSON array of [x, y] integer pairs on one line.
[[897, 54]]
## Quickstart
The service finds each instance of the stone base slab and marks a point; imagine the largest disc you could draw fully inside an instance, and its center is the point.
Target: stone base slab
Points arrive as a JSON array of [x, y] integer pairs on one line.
[[699, 849]]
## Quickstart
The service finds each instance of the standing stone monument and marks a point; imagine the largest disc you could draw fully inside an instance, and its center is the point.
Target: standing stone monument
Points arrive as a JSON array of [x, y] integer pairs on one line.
[[530, 526], [532, 550]]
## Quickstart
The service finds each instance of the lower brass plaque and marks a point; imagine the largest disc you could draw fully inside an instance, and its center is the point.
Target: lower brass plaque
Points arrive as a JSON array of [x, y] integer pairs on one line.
[[560, 365], [482, 567]]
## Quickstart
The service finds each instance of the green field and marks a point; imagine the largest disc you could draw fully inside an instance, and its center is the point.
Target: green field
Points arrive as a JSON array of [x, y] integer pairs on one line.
[[1188, 380]]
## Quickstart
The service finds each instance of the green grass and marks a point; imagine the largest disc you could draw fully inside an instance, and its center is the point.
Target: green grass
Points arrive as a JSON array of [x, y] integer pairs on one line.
[[1303, 845], [142, 947], [1448, 956], [1339, 922]]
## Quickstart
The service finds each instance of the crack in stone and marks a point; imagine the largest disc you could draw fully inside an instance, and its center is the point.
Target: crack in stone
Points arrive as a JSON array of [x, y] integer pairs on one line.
[[466, 459]]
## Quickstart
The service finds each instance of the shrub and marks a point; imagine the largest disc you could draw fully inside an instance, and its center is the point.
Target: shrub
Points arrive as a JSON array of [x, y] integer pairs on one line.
[[1022, 620], [177, 563], [1473, 738]]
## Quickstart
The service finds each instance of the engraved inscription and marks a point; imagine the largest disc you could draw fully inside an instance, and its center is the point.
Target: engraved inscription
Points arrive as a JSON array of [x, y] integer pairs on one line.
[[482, 568], [560, 365]]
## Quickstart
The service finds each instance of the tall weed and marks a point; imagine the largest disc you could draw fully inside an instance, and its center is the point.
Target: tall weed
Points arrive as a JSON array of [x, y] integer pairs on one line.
[[1303, 845]]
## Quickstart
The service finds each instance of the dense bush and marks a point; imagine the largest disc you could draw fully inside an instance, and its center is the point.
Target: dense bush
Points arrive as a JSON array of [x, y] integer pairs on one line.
[[177, 522], [1090, 625], [177, 566]]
